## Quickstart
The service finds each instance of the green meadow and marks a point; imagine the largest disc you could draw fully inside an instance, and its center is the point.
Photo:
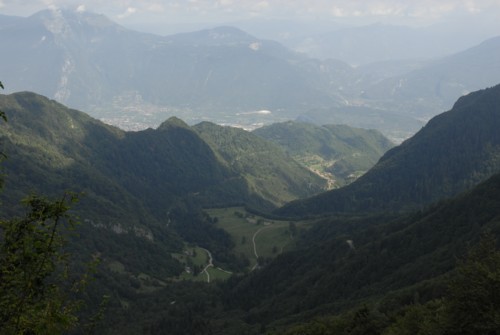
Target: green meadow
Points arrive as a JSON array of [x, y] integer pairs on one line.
[[253, 234]]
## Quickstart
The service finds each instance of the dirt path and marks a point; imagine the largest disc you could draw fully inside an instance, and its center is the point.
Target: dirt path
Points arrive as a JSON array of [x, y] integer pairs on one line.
[[210, 264], [255, 246]]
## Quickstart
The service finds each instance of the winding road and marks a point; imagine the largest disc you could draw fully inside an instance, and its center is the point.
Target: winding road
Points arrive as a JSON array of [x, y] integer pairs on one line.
[[255, 246], [210, 264]]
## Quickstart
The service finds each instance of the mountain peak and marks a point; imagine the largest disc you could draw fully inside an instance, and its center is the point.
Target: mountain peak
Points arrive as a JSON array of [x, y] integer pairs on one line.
[[173, 122], [226, 32], [59, 20], [222, 35]]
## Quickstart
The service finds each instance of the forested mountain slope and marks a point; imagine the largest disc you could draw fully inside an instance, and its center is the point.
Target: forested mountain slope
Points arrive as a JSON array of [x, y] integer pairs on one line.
[[52, 148], [140, 186], [341, 151], [453, 152], [267, 169]]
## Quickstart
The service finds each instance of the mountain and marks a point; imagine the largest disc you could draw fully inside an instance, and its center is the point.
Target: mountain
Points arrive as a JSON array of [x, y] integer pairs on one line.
[[267, 169], [453, 152], [340, 151], [378, 42], [439, 83], [224, 75], [395, 126], [155, 168], [51, 149], [88, 62], [369, 44], [72, 150]]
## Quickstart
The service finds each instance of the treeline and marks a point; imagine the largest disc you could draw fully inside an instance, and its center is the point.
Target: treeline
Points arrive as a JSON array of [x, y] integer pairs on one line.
[[470, 305]]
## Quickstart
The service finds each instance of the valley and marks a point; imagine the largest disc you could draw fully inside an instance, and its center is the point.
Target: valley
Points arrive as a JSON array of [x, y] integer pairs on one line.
[[216, 244], [219, 182]]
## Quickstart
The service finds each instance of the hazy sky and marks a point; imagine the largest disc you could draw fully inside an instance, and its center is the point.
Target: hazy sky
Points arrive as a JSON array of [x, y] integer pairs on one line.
[[153, 13]]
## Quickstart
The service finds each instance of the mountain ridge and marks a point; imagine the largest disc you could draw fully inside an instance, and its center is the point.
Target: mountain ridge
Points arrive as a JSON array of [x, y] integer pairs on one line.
[[441, 82], [96, 64], [454, 151]]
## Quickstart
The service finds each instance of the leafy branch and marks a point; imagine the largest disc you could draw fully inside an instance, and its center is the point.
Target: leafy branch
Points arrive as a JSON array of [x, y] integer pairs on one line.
[[34, 297]]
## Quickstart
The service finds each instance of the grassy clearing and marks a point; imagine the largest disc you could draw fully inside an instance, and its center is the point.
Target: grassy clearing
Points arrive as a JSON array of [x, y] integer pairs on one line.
[[273, 240], [273, 236], [194, 260], [218, 274]]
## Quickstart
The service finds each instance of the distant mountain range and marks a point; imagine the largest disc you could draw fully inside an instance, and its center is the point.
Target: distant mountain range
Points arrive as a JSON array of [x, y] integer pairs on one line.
[[86, 61], [453, 152], [224, 75], [438, 84], [362, 45]]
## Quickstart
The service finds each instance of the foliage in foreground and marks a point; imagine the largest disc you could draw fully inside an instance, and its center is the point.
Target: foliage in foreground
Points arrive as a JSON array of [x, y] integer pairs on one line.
[[37, 291]]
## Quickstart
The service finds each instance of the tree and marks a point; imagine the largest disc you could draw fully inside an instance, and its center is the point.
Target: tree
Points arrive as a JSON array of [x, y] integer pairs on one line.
[[38, 294], [473, 301], [419, 320], [471, 305], [36, 291]]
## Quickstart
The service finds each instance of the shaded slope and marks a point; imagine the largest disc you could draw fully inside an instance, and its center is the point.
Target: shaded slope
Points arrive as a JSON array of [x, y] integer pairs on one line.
[[52, 149], [453, 152]]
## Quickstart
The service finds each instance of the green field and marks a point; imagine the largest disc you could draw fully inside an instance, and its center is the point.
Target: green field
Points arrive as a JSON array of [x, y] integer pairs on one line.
[[271, 236], [217, 274], [195, 260]]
